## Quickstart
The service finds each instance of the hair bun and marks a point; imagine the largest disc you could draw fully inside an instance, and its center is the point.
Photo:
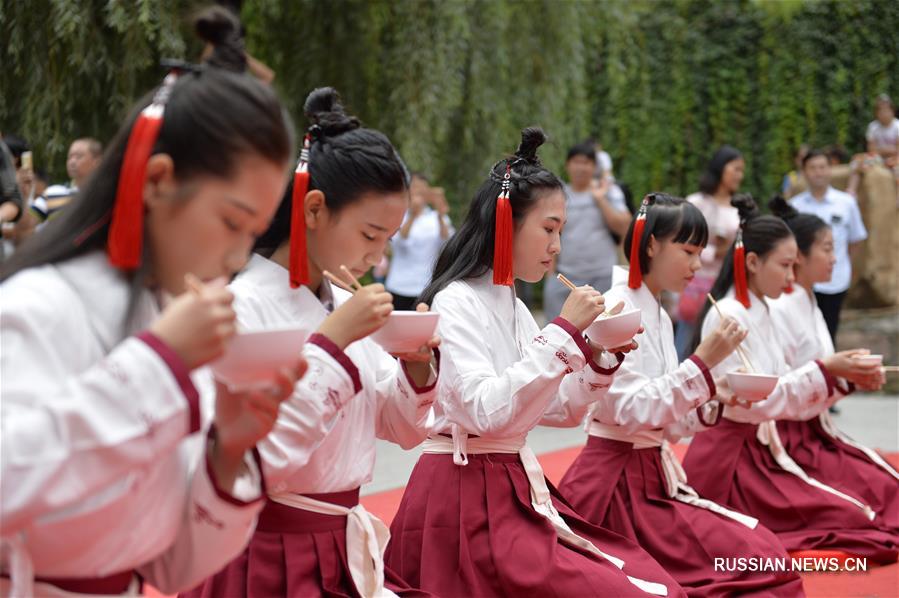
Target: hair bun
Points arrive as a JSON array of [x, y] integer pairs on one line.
[[323, 108], [221, 28], [215, 24], [746, 206], [531, 139], [780, 208]]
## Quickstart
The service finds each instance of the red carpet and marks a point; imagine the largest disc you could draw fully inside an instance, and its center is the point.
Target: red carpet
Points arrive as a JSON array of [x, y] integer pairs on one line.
[[879, 582]]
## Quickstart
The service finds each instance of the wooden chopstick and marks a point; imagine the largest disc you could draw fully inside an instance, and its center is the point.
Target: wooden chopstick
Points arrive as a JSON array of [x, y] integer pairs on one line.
[[890, 368], [356, 284], [571, 286], [338, 282], [565, 281], [743, 356]]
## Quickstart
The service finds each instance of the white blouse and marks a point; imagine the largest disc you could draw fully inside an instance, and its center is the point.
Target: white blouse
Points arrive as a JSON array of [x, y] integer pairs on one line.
[[324, 439], [802, 391], [104, 464], [502, 375], [652, 389]]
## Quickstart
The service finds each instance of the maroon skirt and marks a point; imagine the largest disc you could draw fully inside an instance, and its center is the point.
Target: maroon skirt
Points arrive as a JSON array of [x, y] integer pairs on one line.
[[295, 554], [623, 489], [729, 465], [471, 531], [844, 467]]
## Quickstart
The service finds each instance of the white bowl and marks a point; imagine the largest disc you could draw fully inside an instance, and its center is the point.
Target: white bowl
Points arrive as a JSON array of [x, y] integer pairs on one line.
[[751, 387], [614, 331], [406, 331], [868, 359], [253, 359]]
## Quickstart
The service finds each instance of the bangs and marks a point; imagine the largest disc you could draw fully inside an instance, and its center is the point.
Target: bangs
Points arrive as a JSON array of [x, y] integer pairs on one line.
[[692, 228]]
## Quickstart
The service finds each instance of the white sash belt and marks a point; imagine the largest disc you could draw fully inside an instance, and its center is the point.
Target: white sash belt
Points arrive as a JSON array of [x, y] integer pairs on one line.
[[768, 436], [674, 474], [366, 541], [461, 446], [830, 428]]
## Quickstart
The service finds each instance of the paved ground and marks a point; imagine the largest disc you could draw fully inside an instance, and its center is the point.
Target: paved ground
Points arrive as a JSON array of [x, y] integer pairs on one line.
[[871, 419]]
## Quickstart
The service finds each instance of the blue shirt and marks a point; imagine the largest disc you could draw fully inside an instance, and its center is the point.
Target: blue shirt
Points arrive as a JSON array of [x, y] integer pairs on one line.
[[840, 211]]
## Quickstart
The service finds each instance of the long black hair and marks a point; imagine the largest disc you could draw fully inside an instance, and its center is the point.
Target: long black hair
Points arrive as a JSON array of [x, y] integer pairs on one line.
[[761, 234], [213, 117], [805, 227], [668, 217], [345, 162], [714, 170], [469, 253]]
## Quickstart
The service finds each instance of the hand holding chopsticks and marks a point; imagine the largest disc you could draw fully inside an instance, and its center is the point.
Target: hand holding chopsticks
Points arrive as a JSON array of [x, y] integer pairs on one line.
[[583, 304], [744, 357]]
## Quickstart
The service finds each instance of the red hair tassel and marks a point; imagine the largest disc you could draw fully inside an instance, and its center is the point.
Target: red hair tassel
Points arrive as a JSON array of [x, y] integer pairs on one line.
[[299, 262], [741, 285], [634, 274], [124, 244], [502, 243]]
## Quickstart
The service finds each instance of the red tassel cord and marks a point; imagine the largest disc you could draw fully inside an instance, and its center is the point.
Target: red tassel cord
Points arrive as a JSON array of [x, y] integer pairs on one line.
[[299, 262], [634, 274], [124, 244], [741, 285], [503, 234]]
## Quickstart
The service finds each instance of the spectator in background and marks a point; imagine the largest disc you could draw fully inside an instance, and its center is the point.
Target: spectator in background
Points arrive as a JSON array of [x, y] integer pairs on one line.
[[32, 183], [415, 247], [83, 159], [883, 143], [791, 179], [596, 211], [717, 186], [840, 211]]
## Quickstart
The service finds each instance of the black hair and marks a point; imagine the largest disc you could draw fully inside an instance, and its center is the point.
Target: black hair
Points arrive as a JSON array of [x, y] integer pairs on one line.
[[220, 27], [585, 149], [417, 174], [94, 146], [815, 153], [212, 119], [714, 170], [761, 234], [838, 153], [469, 253], [805, 227], [17, 146], [668, 218], [345, 162]]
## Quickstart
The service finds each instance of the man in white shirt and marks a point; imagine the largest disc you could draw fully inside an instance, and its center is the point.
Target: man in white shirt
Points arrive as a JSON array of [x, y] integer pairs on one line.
[[840, 211], [416, 246]]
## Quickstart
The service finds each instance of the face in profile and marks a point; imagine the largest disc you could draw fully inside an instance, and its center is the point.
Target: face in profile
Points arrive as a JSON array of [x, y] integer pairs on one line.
[[538, 237]]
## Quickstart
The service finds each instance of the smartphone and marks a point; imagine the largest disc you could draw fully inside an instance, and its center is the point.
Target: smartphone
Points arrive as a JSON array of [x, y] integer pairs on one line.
[[28, 160]]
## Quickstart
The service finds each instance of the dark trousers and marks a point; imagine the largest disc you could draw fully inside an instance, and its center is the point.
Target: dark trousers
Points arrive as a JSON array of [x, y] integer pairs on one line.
[[830, 306], [403, 303]]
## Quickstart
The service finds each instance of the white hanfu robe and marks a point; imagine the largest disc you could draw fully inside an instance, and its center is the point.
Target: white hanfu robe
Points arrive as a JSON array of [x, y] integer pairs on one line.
[[746, 475], [104, 464], [629, 479], [501, 377], [324, 440]]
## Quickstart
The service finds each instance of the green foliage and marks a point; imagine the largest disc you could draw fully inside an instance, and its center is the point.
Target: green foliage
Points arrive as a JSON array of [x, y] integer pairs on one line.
[[453, 81]]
